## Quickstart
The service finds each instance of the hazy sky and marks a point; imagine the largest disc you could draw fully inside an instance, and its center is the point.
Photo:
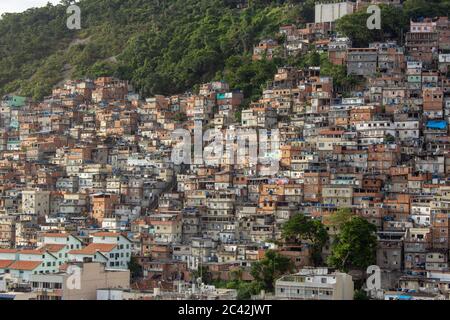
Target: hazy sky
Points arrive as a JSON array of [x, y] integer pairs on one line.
[[22, 5]]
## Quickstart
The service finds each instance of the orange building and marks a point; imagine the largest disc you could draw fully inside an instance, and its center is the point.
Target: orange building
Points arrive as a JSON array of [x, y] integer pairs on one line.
[[103, 206]]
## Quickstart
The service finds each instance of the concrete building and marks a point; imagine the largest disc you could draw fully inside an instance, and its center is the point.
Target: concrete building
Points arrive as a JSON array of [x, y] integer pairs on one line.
[[36, 202], [7, 231], [315, 284], [112, 249], [362, 61], [80, 281], [330, 12]]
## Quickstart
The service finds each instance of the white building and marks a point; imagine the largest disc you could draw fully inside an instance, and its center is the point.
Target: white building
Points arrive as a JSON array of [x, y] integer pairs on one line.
[[79, 282], [21, 264], [36, 202], [59, 244], [111, 248], [374, 132], [315, 284], [406, 130], [421, 213], [330, 12]]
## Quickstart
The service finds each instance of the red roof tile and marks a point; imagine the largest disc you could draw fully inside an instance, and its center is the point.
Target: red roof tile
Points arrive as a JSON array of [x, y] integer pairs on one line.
[[25, 265], [5, 263], [106, 234], [8, 250], [56, 235], [39, 251], [94, 247], [53, 247]]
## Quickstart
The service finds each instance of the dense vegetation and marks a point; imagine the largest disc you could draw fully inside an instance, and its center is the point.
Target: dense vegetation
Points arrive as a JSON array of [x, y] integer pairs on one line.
[[394, 21], [355, 245], [162, 46], [169, 46], [265, 272], [300, 228]]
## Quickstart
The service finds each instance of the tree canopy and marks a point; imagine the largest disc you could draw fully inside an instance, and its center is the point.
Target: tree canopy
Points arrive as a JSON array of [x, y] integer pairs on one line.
[[355, 245], [301, 228], [267, 270], [341, 216], [394, 20], [161, 46]]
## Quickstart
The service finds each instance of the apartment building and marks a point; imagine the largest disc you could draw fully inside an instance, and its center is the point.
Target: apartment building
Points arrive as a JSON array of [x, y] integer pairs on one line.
[[315, 284]]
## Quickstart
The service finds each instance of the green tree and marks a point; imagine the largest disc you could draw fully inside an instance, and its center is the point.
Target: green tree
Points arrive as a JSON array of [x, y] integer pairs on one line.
[[341, 81], [162, 47], [300, 228], [241, 72], [394, 21], [101, 69], [354, 27], [266, 271], [203, 273], [360, 295], [426, 8], [236, 274], [135, 268], [341, 216], [355, 245], [306, 11], [166, 47], [247, 289], [180, 117], [310, 59], [390, 138]]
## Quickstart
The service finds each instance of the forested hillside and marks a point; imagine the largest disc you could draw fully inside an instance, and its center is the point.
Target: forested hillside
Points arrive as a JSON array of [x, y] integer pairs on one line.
[[168, 46], [394, 21], [162, 46]]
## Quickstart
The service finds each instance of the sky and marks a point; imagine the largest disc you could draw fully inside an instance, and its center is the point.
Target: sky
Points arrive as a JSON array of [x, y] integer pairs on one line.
[[22, 5]]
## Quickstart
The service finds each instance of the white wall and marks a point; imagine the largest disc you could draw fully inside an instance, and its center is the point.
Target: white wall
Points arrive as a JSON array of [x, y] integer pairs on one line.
[[332, 11]]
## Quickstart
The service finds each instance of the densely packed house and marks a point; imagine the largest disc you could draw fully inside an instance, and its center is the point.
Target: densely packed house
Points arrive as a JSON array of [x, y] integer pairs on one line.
[[88, 176]]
